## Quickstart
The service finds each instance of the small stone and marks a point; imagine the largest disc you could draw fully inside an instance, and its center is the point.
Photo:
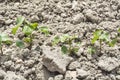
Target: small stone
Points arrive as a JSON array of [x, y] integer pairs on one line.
[[17, 67], [64, 15], [12, 67], [74, 65], [22, 69], [108, 63], [50, 78], [19, 61], [80, 51], [2, 20], [29, 63], [69, 75], [25, 52], [28, 72], [54, 60], [74, 4], [2, 74], [58, 77], [112, 77], [8, 64], [34, 18], [12, 76], [7, 22], [92, 16], [16, 4], [81, 73], [78, 18], [118, 77]]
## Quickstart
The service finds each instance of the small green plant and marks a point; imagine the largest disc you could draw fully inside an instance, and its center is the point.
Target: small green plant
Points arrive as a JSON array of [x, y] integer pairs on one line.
[[100, 36], [68, 43], [27, 29], [4, 39]]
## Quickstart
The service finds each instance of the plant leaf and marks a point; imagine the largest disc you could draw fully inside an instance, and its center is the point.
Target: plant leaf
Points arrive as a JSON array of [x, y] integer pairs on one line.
[[14, 30], [27, 40], [4, 37], [75, 49], [56, 40], [44, 30], [27, 30], [34, 25], [119, 30], [96, 36], [19, 21], [64, 49], [113, 42], [94, 40], [104, 36], [20, 44]]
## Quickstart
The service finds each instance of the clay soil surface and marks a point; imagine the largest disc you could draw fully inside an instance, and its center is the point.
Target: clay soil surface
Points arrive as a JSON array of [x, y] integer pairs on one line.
[[73, 17]]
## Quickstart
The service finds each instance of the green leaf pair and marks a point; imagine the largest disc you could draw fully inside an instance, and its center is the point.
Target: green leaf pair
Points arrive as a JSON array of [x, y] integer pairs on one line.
[[19, 21], [100, 35]]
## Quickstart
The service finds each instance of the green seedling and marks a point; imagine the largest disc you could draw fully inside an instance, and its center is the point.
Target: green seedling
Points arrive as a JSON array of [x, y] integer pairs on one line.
[[4, 39], [100, 36], [27, 29], [44, 30], [67, 43]]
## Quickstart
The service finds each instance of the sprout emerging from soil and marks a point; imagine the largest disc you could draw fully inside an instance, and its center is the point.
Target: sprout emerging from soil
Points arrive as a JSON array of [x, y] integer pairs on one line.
[[68, 43], [4, 39], [27, 29], [100, 36]]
